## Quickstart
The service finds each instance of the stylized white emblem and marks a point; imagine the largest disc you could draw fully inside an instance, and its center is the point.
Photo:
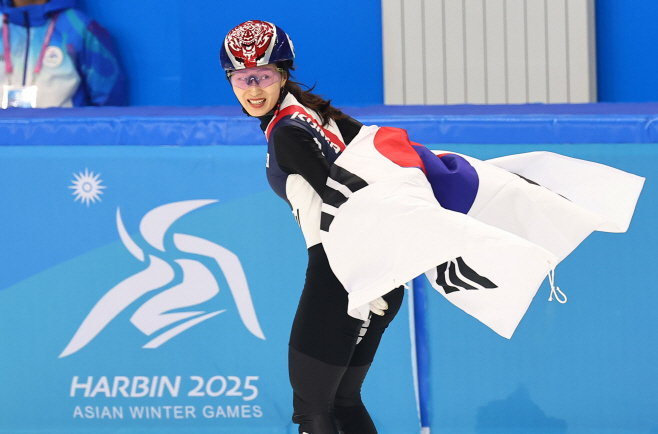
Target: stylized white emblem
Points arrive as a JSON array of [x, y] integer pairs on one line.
[[198, 284], [87, 187]]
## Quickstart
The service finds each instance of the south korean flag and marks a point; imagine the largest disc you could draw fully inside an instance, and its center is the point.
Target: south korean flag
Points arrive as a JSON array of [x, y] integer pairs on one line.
[[485, 233]]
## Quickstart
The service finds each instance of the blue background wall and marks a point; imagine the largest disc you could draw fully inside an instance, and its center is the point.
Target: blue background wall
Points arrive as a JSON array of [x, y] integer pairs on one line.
[[627, 59], [171, 50]]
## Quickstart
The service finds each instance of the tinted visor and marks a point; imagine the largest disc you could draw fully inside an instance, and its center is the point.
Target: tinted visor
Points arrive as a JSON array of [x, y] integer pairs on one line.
[[261, 77]]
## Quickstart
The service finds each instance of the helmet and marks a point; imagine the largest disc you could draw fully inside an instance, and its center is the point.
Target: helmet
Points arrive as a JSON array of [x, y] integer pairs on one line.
[[255, 43]]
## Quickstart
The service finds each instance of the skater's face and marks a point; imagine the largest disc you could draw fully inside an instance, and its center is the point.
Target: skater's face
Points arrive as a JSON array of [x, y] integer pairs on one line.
[[258, 89]]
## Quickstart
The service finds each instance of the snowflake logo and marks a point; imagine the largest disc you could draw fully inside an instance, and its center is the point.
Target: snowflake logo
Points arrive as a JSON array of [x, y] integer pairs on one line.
[[87, 187]]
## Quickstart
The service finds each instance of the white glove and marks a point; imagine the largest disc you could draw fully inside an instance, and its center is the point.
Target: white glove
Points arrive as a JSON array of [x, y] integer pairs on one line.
[[378, 306]]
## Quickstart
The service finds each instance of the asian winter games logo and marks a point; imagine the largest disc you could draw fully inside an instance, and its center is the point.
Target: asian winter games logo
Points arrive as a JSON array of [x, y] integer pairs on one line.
[[164, 311], [250, 41]]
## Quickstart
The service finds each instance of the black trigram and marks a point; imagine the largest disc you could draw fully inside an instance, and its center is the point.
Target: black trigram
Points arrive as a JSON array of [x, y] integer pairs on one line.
[[530, 181], [466, 279], [335, 198]]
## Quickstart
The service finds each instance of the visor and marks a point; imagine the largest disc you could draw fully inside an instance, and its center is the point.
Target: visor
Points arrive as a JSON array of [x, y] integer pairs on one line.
[[260, 77]]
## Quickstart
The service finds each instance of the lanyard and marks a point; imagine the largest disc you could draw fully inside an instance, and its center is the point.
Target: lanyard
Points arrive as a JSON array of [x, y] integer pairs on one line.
[[9, 68]]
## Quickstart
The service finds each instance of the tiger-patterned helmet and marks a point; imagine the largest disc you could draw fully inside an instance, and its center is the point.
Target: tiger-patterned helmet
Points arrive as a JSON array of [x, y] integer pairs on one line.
[[255, 43]]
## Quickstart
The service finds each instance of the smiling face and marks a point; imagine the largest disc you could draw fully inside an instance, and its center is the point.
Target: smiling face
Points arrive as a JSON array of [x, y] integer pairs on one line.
[[258, 89]]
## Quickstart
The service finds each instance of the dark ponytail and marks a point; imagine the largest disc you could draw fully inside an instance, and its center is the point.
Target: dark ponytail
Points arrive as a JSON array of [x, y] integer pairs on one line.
[[307, 98]]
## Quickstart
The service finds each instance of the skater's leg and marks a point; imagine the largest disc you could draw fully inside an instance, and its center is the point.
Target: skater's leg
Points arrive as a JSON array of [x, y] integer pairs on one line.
[[350, 413], [322, 341]]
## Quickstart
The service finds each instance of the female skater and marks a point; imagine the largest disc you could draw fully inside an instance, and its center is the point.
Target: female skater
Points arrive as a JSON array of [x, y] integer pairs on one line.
[[485, 233], [330, 352]]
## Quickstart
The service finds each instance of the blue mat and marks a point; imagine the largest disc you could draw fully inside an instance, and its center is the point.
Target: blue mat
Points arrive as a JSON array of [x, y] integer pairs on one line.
[[202, 126]]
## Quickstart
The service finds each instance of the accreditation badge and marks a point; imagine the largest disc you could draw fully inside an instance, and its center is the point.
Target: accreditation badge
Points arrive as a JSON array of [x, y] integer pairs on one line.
[[19, 96]]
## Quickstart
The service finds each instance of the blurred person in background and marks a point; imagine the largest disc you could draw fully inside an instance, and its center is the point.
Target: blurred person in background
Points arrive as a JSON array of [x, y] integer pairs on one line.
[[53, 55]]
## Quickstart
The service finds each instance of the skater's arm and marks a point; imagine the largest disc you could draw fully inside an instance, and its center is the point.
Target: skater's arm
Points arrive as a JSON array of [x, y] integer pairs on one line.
[[297, 153]]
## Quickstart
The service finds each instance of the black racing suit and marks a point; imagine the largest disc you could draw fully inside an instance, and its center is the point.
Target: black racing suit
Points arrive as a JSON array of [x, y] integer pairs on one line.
[[328, 359]]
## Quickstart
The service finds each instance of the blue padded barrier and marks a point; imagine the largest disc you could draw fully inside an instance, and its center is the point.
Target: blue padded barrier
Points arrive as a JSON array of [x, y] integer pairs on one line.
[[201, 126]]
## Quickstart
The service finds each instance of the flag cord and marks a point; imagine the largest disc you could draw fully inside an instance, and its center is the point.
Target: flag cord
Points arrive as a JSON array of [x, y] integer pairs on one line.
[[555, 290]]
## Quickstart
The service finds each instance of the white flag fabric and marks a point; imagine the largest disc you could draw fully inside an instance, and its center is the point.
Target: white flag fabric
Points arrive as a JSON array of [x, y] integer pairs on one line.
[[603, 190], [486, 234]]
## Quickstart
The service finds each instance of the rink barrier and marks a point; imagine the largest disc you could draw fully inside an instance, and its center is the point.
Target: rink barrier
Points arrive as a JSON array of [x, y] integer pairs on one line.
[[206, 126]]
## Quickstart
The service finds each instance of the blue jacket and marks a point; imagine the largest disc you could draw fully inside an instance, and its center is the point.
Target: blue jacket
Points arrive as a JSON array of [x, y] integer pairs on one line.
[[80, 66]]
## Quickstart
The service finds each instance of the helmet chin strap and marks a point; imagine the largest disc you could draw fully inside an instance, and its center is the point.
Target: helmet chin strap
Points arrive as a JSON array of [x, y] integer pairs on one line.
[[282, 94]]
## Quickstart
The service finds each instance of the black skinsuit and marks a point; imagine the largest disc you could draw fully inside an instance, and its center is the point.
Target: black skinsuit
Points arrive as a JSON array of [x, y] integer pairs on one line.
[[327, 366]]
